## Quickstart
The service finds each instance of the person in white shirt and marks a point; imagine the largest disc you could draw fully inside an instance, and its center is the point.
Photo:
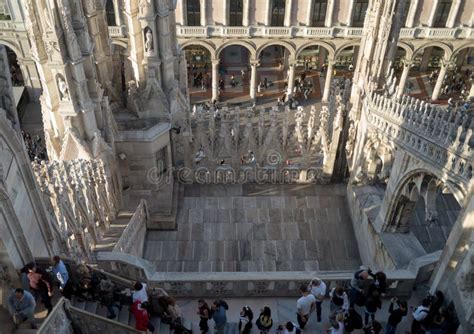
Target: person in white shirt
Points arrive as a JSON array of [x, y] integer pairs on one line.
[[305, 306], [318, 290], [140, 292], [337, 327], [339, 300], [420, 314]]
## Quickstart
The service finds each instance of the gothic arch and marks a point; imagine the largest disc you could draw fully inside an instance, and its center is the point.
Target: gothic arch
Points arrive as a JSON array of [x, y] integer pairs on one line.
[[329, 48], [284, 44], [447, 50], [425, 182], [250, 47]]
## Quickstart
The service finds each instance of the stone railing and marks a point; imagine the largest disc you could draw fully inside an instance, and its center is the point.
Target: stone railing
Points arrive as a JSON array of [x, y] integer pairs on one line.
[[64, 317], [431, 133], [57, 321], [116, 31], [323, 32], [239, 284], [133, 237]]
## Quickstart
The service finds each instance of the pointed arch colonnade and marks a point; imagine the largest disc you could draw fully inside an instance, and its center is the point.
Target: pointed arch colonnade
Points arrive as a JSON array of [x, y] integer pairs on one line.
[[331, 51]]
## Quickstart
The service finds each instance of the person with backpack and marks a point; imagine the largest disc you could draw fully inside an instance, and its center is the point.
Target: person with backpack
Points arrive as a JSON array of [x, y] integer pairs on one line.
[[264, 322], [372, 303], [339, 300], [204, 312], [219, 308], [396, 315], [352, 321], [40, 284], [245, 321], [419, 315], [106, 288], [357, 293]]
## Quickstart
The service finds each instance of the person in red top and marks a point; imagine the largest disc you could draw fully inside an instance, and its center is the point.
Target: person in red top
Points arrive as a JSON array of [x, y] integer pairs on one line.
[[142, 319], [40, 284]]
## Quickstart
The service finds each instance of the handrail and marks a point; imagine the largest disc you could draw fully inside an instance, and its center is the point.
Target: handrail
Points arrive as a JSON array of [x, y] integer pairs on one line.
[[74, 311], [130, 236], [57, 321]]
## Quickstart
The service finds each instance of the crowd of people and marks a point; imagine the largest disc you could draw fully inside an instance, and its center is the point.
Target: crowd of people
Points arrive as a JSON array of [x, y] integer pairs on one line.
[[346, 303], [34, 146]]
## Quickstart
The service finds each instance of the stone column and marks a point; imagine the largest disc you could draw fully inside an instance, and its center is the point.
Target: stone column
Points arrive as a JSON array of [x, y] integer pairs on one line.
[[215, 81], [268, 15], [288, 10], [329, 13], [410, 19], [471, 92], [309, 13], [203, 13], [349, 13], [403, 78], [439, 82], [225, 16], [253, 79], [322, 56], [434, 8], [453, 13], [327, 83], [246, 13], [291, 79]]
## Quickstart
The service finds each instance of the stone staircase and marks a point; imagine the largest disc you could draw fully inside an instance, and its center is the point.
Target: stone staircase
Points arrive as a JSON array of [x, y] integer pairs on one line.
[[113, 234]]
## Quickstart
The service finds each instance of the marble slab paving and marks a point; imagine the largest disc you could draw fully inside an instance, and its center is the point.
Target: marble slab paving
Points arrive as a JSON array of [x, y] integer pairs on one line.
[[257, 228]]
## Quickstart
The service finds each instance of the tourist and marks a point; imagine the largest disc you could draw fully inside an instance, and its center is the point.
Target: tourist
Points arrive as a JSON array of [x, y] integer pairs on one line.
[[245, 320], [204, 313], [289, 328], [265, 83], [106, 288], [219, 308], [419, 315], [259, 87], [337, 326], [304, 306], [85, 286], [232, 81], [22, 306], [242, 74], [139, 292], [396, 315], [61, 274], [379, 282], [40, 285], [142, 319], [374, 328], [356, 293], [339, 300], [318, 290], [352, 321], [372, 303], [264, 322]]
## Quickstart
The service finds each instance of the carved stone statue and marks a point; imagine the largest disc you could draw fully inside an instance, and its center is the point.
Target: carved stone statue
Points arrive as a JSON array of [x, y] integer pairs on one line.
[[63, 90], [148, 40]]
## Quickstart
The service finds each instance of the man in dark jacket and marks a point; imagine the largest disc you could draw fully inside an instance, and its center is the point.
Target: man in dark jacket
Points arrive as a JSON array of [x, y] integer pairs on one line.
[[396, 315]]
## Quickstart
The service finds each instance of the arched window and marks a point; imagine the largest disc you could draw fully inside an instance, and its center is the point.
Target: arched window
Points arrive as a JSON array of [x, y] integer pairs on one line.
[[110, 13], [358, 14], [278, 13], [318, 13], [235, 13], [193, 12], [442, 12]]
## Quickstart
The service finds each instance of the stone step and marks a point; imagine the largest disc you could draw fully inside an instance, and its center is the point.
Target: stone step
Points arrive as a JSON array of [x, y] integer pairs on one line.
[[124, 315]]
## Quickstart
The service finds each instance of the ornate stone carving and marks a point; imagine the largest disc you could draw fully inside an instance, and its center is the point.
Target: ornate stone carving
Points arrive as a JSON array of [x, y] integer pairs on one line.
[[63, 89]]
